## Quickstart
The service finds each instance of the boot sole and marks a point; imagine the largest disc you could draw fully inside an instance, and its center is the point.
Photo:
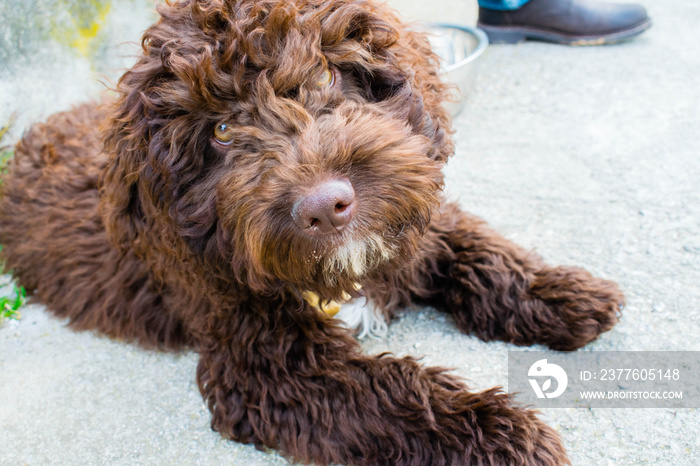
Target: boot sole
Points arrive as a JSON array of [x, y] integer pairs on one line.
[[515, 34]]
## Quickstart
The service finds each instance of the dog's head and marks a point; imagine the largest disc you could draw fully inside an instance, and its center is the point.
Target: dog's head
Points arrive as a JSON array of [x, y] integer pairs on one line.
[[285, 143]]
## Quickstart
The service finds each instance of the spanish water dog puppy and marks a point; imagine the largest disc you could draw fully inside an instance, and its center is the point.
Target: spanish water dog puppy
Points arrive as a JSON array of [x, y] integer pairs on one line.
[[261, 163]]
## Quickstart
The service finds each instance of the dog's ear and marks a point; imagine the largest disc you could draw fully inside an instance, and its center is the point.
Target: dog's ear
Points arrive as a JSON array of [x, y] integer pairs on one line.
[[158, 161], [156, 136], [431, 92], [125, 135], [391, 60], [144, 171]]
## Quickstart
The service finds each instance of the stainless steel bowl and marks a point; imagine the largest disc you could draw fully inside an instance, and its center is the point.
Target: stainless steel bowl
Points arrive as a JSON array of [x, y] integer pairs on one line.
[[458, 48]]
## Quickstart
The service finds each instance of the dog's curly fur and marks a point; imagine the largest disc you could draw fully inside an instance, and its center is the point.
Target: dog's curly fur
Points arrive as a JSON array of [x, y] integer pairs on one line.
[[131, 219]]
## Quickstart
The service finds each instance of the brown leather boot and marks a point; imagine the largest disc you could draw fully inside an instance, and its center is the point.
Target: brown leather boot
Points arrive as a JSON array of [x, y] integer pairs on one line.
[[572, 22]]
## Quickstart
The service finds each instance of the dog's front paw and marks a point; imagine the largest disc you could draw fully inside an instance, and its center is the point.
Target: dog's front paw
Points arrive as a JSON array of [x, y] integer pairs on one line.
[[510, 434], [579, 306]]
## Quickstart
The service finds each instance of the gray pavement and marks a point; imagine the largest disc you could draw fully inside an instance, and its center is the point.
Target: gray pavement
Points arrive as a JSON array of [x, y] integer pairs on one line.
[[591, 156]]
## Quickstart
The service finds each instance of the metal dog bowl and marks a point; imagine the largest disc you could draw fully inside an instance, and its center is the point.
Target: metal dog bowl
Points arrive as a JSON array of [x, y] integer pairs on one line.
[[458, 48]]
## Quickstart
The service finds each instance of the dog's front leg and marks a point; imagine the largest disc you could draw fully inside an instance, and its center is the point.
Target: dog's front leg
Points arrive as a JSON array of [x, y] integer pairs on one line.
[[497, 290], [289, 379]]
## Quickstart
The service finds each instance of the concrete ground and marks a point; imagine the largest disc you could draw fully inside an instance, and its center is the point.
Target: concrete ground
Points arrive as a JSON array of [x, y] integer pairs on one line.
[[589, 155]]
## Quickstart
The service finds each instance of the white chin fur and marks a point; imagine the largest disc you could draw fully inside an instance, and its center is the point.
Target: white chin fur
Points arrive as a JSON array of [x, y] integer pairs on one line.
[[364, 317], [357, 257]]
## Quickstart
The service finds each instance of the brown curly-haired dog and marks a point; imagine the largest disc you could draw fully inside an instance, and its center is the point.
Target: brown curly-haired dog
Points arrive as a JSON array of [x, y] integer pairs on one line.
[[259, 153]]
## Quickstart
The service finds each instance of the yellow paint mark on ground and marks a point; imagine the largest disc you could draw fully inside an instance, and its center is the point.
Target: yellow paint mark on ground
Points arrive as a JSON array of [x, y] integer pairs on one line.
[[80, 24], [86, 34]]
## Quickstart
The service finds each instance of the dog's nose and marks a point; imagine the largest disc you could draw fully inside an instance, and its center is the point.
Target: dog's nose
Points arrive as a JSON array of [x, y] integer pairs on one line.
[[326, 209]]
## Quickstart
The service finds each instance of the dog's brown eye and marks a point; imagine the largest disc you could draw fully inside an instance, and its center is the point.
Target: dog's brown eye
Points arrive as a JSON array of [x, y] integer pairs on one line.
[[224, 134], [327, 79]]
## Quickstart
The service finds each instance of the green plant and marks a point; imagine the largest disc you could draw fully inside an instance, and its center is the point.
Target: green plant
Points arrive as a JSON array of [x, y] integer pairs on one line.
[[5, 155], [10, 305], [8, 124]]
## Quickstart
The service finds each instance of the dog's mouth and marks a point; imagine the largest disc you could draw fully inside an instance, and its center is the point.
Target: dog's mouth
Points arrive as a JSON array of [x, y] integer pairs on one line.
[[348, 258], [346, 244], [353, 256], [282, 255]]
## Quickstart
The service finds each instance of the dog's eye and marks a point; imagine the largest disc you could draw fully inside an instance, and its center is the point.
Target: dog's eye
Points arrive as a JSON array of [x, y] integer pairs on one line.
[[327, 79], [224, 134]]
